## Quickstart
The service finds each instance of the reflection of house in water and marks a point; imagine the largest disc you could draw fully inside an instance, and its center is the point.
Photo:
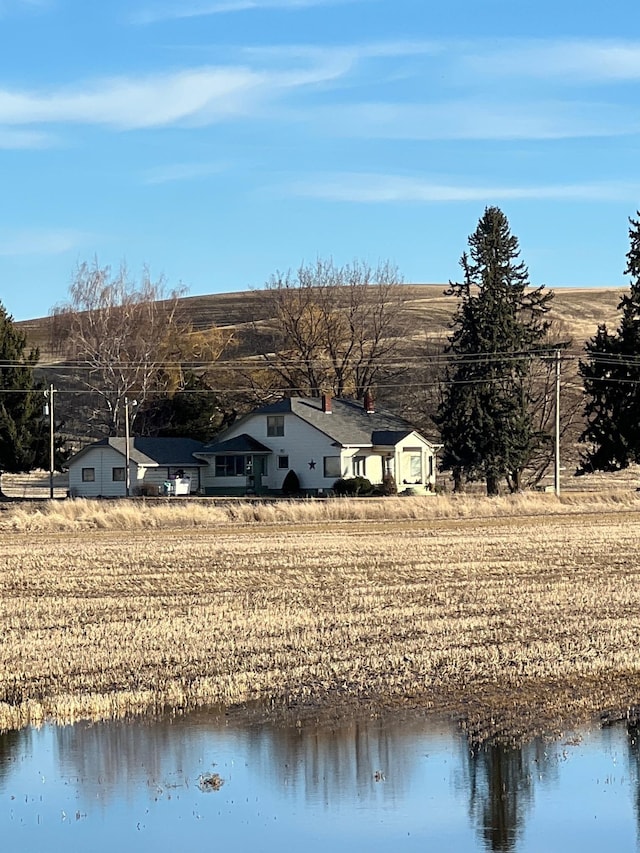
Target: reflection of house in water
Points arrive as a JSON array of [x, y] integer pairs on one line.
[[109, 759], [374, 758]]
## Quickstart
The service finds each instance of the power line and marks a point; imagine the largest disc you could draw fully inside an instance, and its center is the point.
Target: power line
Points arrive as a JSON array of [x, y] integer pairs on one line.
[[274, 361]]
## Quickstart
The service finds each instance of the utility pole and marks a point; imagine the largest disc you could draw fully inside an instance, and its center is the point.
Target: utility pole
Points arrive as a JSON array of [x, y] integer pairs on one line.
[[127, 449], [557, 428], [127, 454], [52, 445]]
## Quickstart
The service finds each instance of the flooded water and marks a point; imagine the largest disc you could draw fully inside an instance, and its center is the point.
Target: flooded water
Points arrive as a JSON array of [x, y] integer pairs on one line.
[[202, 782]]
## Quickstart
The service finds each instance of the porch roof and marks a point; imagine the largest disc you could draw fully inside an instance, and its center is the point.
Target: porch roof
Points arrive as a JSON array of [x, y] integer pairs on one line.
[[388, 437], [241, 444]]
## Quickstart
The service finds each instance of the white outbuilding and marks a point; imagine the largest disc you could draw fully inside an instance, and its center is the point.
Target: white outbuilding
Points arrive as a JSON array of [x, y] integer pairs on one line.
[[156, 466]]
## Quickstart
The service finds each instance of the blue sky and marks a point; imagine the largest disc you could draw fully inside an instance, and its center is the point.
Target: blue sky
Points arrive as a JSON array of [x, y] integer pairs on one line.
[[218, 141]]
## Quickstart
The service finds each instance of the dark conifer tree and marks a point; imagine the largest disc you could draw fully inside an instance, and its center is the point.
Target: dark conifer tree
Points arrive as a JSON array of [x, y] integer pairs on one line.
[[611, 377], [23, 431], [484, 415], [195, 411]]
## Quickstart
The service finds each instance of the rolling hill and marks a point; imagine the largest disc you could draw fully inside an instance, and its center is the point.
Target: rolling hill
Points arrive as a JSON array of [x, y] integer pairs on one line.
[[576, 311]]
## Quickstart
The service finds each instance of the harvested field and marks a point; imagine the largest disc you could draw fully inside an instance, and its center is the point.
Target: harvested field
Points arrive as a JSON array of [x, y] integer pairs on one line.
[[515, 615]]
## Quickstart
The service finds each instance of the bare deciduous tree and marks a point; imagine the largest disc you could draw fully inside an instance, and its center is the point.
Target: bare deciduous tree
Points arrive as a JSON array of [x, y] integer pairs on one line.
[[335, 329], [122, 335]]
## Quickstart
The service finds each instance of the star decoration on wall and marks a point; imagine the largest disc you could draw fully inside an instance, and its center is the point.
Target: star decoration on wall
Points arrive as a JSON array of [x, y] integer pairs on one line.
[[312, 464]]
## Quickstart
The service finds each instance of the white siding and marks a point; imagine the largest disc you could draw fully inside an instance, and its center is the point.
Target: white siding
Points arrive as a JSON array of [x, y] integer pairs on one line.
[[301, 442], [304, 444], [372, 464], [410, 446], [103, 460]]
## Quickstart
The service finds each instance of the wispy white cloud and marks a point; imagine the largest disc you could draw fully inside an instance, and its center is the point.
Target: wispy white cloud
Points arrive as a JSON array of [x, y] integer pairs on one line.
[[351, 52], [189, 9], [487, 111], [198, 95], [477, 118], [36, 241], [567, 60], [129, 102], [377, 189], [259, 83], [182, 172]]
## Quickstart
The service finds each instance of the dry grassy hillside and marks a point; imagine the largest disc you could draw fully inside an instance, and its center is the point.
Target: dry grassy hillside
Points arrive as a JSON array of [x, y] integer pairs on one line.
[[576, 313], [577, 310]]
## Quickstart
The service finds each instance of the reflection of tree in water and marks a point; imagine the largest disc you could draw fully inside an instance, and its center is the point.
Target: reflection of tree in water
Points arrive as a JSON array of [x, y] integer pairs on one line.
[[375, 760], [110, 758], [319, 762], [370, 758], [633, 747], [10, 745], [501, 785]]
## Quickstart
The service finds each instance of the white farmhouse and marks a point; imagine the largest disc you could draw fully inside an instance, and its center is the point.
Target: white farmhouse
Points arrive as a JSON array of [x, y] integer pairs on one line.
[[321, 439]]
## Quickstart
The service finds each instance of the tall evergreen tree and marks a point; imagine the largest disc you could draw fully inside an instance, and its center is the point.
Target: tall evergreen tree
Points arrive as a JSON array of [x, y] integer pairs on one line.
[[23, 431], [485, 412], [611, 378]]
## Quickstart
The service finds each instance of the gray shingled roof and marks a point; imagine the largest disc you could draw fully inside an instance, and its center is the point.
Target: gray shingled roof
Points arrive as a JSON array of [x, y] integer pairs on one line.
[[348, 423], [173, 452]]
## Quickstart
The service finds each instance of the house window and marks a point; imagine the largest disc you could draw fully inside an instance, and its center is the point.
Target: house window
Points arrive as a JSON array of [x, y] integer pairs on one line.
[[332, 466], [275, 425], [359, 466], [117, 475], [231, 466], [283, 461], [88, 475], [415, 467]]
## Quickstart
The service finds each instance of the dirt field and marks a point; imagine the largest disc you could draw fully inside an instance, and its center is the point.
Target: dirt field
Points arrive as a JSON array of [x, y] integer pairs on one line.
[[513, 622]]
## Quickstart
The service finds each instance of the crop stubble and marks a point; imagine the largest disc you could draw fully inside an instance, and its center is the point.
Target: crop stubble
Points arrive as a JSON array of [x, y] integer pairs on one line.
[[514, 623]]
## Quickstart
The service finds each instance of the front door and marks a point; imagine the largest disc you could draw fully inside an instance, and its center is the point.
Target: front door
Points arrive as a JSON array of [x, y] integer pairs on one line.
[[259, 471]]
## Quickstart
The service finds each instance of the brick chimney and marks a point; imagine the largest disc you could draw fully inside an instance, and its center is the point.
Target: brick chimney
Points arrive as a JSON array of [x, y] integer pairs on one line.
[[326, 404], [368, 403]]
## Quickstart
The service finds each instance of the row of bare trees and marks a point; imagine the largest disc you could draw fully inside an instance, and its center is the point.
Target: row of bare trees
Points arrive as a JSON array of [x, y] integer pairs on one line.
[[328, 329], [323, 328]]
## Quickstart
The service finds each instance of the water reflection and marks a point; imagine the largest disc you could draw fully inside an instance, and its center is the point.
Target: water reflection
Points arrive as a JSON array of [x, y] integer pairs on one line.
[[10, 744], [356, 757], [375, 784], [633, 746], [319, 763], [501, 781]]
